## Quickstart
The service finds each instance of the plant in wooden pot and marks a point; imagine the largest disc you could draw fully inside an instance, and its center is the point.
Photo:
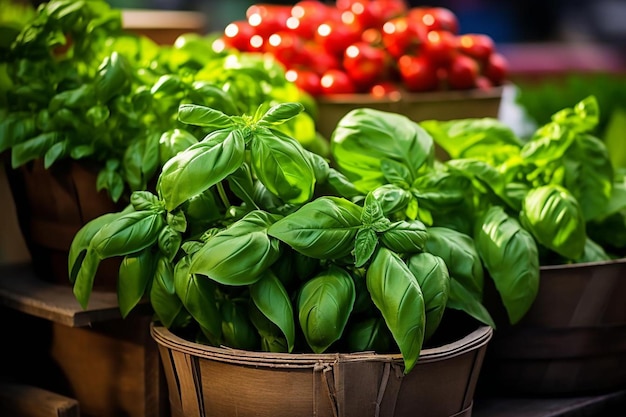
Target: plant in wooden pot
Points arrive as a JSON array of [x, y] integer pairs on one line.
[[562, 187], [285, 284], [88, 115]]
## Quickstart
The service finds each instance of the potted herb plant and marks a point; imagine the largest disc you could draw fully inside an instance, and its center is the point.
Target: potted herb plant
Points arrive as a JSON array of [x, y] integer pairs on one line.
[[317, 280], [562, 187], [88, 114]]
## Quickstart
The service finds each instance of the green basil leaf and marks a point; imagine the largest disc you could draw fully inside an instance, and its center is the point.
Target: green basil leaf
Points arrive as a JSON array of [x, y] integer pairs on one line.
[[85, 276], [459, 252], [341, 185], [280, 113], [365, 244], [365, 137], [193, 114], [432, 276], [56, 152], [140, 162], [282, 165], [323, 228], [34, 148], [98, 115], [135, 276], [396, 173], [127, 234], [272, 338], [593, 252], [372, 210], [15, 127], [163, 299], [271, 298], [198, 295], [201, 166], [169, 242], [324, 306], [77, 98], [113, 76], [555, 219], [391, 198], [82, 239], [488, 139], [144, 200], [462, 299], [174, 141], [370, 334], [397, 294], [590, 175], [510, 255], [237, 329], [405, 237], [239, 254], [168, 85]]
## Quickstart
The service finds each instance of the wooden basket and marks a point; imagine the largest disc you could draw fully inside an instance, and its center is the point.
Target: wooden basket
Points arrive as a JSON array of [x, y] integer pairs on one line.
[[440, 105], [52, 205], [573, 339], [205, 381]]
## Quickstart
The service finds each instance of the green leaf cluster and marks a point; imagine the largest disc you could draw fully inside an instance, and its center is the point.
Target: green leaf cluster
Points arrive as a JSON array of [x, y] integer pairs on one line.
[[255, 242], [74, 85]]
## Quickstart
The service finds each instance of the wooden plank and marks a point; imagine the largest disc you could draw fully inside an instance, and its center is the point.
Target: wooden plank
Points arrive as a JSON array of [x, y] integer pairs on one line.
[[20, 400], [22, 290], [610, 404]]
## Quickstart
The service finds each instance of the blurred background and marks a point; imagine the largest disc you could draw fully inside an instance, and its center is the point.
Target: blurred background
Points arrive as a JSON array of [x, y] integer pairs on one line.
[[510, 21]]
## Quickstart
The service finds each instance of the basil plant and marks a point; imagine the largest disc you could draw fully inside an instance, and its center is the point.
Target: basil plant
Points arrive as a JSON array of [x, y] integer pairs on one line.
[[76, 86], [252, 241]]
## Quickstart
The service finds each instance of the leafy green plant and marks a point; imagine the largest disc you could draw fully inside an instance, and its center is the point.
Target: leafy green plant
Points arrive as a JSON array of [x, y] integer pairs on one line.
[[254, 242], [74, 85], [540, 100]]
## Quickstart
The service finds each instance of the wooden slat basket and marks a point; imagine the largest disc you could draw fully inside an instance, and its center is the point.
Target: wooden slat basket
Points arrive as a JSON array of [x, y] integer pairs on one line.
[[205, 381]]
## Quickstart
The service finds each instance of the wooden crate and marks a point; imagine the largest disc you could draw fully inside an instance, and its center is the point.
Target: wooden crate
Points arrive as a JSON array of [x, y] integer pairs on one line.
[[108, 364]]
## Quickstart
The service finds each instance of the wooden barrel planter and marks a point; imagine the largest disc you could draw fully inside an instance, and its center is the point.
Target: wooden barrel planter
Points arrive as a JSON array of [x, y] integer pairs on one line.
[[573, 339], [206, 381], [51, 206]]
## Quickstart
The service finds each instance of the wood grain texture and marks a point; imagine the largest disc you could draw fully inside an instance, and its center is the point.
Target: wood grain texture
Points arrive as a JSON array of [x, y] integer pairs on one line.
[[20, 400]]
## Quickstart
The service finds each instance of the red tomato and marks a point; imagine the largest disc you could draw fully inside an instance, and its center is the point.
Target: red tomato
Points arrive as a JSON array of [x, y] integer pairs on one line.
[[372, 36], [483, 83], [335, 81], [402, 37], [335, 36], [440, 46], [496, 69], [286, 46], [365, 64], [305, 79], [306, 16], [385, 89], [268, 18], [373, 13], [318, 59], [477, 45], [418, 73], [462, 73], [435, 18], [238, 34]]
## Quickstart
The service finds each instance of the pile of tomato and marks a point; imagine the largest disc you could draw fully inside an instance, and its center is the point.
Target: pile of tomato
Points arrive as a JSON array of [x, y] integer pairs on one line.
[[368, 46]]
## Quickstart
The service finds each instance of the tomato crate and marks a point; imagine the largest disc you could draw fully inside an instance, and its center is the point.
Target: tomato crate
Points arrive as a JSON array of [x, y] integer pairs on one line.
[[439, 105]]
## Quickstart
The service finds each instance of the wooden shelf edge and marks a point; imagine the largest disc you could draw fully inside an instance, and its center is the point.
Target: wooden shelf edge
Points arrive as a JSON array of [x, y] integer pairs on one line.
[[22, 290], [592, 405]]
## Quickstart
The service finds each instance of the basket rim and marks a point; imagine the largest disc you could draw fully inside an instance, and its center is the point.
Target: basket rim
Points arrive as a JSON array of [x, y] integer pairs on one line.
[[473, 340], [581, 265]]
